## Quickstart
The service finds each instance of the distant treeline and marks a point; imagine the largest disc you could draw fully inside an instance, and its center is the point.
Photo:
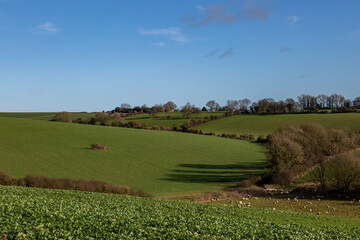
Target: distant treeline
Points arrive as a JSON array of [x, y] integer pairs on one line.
[[69, 184], [334, 102]]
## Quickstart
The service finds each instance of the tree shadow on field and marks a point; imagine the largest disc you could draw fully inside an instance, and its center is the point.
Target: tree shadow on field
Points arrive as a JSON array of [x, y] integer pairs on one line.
[[210, 173]]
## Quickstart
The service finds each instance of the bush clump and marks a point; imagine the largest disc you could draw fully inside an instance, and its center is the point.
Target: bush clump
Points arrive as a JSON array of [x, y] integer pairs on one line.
[[98, 147], [69, 184], [296, 149], [62, 117]]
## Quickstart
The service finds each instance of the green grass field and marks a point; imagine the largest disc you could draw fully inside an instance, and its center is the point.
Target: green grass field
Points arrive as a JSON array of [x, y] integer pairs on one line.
[[44, 115], [159, 162], [55, 214], [175, 118], [268, 124]]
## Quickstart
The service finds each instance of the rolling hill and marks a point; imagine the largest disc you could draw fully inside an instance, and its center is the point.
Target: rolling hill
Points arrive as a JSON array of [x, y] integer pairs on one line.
[[268, 124], [161, 163]]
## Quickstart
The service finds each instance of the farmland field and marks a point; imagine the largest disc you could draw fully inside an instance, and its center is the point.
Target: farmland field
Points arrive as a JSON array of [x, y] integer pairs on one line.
[[41, 213], [268, 124], [175, 118], [43, 115], [158, 162]]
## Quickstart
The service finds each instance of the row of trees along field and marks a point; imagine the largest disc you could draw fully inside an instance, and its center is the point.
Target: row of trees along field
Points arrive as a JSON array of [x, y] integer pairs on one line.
[[304, 102]]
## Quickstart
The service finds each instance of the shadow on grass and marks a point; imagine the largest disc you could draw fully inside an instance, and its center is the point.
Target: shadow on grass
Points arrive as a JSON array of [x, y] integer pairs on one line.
[[209, 173]]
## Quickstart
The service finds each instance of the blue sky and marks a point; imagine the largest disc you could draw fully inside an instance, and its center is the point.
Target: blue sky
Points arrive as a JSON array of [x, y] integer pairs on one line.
[[92, 55]]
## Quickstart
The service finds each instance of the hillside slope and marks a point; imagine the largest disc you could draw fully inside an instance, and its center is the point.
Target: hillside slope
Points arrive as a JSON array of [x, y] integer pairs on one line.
[[159, 162], [268, 124]]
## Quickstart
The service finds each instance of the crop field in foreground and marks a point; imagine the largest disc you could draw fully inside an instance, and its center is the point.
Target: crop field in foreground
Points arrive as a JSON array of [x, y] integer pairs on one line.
[[163, 119], [158, 162], [268, 124], [53, 214]]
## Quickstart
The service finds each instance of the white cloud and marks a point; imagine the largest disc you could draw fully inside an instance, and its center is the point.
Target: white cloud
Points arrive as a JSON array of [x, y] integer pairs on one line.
[[47, 28], [200, 7], [174, 34], [160, 44], [292, 20]]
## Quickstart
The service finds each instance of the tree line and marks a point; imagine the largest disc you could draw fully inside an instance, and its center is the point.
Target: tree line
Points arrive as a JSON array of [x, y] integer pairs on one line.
[[303, 103]]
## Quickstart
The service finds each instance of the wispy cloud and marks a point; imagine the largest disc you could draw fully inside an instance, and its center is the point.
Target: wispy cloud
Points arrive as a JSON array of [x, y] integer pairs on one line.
[[47, 28], [355, 35], [212, 53], [285, 50], [292, 20], [174, 34], [160, 44], [230, 12], [227, 53]]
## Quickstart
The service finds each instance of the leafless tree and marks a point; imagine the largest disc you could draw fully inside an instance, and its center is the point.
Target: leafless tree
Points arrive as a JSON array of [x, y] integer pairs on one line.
[[213, 106], [125, 106], [187, 110], [244, 104], [321, 101], [346, 171], [232, 105], [291, 105], [170, 106], [356, 102]]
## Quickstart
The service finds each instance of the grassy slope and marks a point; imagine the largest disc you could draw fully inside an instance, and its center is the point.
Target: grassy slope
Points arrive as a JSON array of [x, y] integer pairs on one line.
[[43, 115], [43, 213], [268, 124], [159, 162], [176, 118]]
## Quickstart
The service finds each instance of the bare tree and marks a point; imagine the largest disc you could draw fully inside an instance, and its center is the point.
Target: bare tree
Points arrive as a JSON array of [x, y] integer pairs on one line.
[[232, 105], [187, 110], [125, 106], [291, 105], [320, 173], [244, 104], [356, 102], [337, 100], [213, 106], [346, 171], [321, 101], [307, 102], [158, 108], [264, 105], [170, 106]]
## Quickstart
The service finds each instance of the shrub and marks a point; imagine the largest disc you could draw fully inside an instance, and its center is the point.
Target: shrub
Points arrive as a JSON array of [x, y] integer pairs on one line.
[[118, 122], [102, 118], [135, 124], [345, 169], [62, 117], [296, 149], [98, 147]]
